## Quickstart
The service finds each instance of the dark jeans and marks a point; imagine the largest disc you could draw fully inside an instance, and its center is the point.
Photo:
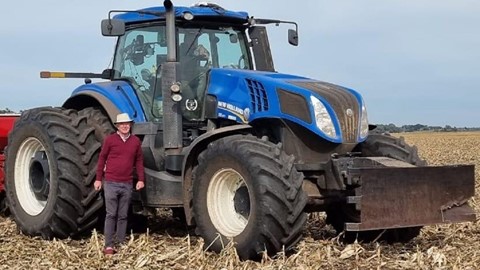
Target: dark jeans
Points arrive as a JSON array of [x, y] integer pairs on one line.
[[117, 201]]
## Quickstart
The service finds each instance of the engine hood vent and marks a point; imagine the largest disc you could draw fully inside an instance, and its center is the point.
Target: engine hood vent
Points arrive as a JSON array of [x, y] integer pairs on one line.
[[258, 96]]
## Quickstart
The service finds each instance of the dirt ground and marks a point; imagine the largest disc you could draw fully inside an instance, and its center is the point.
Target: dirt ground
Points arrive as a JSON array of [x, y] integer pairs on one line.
[[169, 245]]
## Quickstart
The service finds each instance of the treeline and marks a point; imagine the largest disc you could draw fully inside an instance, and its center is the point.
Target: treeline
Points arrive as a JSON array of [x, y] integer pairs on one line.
[[418, 127], [6, 110]]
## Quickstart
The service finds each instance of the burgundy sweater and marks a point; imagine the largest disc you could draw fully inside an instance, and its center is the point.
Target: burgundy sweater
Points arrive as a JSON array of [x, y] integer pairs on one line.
[[118, 158]]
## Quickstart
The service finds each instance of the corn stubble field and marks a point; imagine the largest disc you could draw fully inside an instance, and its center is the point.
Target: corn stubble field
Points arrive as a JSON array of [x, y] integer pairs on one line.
[[167, 246]]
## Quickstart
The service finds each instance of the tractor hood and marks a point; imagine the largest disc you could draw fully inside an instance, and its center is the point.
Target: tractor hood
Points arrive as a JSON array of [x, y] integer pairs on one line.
[[333, 112]]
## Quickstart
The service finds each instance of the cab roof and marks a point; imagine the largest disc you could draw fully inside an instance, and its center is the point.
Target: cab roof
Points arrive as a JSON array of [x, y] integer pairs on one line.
[[209, 11]]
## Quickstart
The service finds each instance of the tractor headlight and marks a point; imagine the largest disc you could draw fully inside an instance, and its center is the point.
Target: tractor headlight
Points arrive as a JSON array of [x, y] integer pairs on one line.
[[364, 123], [322, 118]]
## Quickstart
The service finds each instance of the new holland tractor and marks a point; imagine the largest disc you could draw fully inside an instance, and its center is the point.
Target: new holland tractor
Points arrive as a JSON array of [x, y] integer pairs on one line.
[[244, 151]]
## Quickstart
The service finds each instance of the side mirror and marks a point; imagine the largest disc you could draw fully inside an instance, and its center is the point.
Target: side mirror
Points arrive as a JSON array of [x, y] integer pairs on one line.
[[292, 37], [113, 28]]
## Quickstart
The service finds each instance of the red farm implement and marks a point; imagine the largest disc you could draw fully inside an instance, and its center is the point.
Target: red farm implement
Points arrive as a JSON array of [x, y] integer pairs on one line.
[[6, 124]]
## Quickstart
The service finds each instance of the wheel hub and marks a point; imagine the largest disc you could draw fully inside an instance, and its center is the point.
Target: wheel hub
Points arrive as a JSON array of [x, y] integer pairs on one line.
[[241, 201], [39, 176]]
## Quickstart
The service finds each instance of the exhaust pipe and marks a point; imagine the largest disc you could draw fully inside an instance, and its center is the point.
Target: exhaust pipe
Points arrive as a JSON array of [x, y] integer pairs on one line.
[[172, 117], [170, 31]]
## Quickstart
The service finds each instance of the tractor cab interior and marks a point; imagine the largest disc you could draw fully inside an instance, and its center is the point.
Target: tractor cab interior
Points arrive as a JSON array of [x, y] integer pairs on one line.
[[195, 61]]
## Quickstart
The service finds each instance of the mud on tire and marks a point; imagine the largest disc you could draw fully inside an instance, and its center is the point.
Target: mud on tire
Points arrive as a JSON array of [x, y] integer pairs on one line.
[[247, 190]]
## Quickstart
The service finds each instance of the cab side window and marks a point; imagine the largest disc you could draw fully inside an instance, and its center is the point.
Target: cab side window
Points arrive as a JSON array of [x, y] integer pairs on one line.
[[139, 55]]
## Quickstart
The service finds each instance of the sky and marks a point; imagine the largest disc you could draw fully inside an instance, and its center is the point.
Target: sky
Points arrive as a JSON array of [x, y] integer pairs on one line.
[[413, 61]]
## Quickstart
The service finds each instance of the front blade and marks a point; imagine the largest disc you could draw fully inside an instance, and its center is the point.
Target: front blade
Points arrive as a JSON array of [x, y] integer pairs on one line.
[[393, 197]]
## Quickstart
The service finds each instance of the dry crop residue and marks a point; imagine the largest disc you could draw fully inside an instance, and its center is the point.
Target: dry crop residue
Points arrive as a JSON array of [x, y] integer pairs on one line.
[[168, 246]]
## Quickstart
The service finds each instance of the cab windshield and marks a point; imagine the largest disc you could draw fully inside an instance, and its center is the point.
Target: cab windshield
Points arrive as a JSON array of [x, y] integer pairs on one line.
[[141, 52]]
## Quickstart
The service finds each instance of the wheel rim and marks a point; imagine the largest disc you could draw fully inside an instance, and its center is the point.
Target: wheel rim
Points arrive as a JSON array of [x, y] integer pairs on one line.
[[228, 202], [32, 176]]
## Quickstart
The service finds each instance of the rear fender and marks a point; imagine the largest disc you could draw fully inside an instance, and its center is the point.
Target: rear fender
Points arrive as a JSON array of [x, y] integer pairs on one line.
[[92, 99], [114, 97]]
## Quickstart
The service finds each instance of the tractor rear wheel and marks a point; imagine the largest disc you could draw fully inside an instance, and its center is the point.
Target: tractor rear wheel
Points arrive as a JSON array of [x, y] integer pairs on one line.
[[98, 126], [247, 190], [49, 172], [377, 145]]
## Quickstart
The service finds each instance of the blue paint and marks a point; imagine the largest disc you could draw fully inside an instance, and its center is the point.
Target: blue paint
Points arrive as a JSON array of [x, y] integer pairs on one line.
[[230, 87], [209, 12], [120, 93]]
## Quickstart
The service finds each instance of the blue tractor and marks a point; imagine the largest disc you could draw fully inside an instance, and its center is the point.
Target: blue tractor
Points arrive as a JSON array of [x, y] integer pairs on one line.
[[243, 151]]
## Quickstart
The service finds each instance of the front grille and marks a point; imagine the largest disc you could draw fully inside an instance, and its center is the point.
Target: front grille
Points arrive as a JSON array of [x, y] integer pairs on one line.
[[258, 96], [342, 102]]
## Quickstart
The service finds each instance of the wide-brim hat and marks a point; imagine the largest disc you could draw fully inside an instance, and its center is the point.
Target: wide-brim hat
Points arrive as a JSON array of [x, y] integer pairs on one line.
[[123, 118]]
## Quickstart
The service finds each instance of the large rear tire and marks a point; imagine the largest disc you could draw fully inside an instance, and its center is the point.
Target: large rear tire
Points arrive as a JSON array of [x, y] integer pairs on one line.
[[49, 173], [247, 190], [98, 126], [377, 145]]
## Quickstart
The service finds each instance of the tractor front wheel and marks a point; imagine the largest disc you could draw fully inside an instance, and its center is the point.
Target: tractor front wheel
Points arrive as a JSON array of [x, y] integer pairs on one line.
[[246, 190]]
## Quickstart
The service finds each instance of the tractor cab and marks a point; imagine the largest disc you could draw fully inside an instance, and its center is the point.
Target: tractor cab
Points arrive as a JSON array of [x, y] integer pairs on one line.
[[203, 37], [142, 50]]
